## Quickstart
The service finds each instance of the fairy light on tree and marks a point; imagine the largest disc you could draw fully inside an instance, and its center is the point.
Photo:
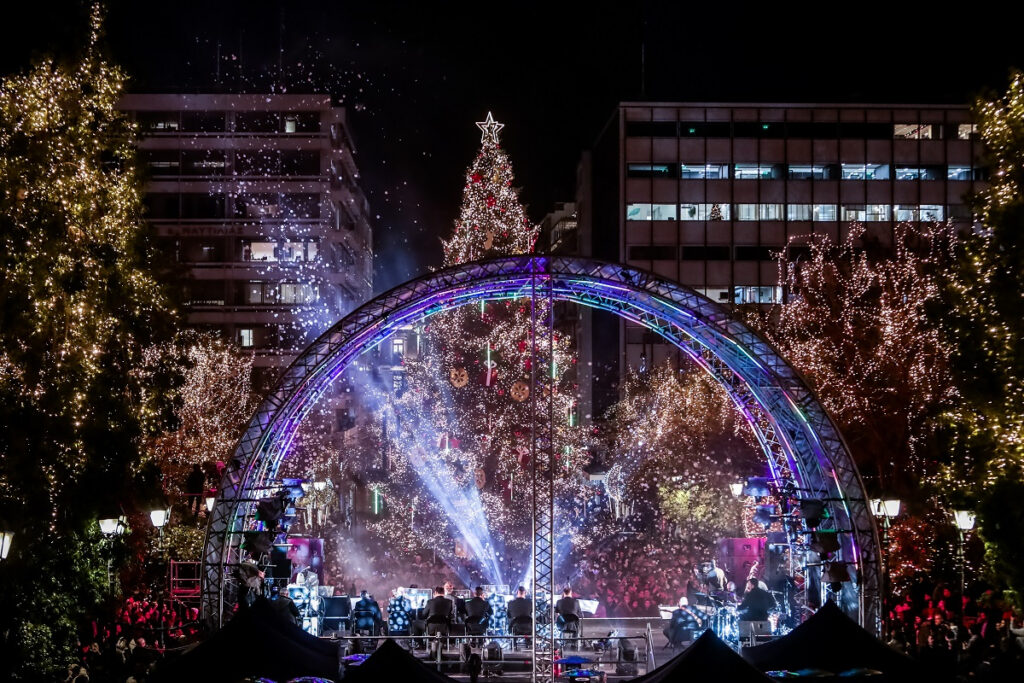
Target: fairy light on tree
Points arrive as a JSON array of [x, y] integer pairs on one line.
[[77, 307], [985, 325], [857, 325]]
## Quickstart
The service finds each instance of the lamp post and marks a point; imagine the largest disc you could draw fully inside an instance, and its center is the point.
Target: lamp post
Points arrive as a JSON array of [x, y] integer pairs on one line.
[[160, 517], [964, 521], [111, 528], [886, 510]]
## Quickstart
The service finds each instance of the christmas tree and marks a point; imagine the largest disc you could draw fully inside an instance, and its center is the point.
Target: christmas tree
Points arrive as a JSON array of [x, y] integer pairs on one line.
[[457, 432]]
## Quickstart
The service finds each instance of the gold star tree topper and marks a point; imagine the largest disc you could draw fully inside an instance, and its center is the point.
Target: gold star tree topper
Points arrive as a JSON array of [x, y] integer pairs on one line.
[[490, 128]]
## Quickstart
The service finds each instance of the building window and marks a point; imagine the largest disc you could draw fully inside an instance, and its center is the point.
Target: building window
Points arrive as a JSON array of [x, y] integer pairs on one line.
[[655, 253], [703, 212], [866, 213], [805, 172], [748, 253], [649, 171], [932, 212], [715, 293], [398, 348], [704, 172], [297, 293], [824, 212], [760, 212], [650, 212], [905, 212], [245, 337], [798, 212], [757, 295], [912, 131], [756, 172], [865, 171], [967, 131], [960, 173], [705, 254]]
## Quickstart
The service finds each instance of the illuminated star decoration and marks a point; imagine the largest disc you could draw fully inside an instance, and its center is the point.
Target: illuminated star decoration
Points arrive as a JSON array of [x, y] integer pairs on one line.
[[490, 129]]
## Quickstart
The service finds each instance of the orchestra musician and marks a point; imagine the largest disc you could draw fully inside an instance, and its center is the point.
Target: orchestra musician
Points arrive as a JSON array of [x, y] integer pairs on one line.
[[682, 624]]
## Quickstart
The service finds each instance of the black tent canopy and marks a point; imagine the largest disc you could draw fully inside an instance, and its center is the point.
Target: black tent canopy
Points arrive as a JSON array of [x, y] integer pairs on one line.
[[256, 642], [829, 641], [707, 659], [391, 662]]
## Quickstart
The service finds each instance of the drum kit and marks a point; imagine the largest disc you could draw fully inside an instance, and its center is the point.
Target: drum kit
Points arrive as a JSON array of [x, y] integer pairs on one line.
[[719, 614], [309, 600]]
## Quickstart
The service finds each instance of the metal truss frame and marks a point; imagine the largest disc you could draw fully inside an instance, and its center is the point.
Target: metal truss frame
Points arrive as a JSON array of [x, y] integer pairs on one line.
[[803, 447]]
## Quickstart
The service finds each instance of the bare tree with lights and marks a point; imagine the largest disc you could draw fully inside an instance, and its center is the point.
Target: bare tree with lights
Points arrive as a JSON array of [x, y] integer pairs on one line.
[[857, 325]]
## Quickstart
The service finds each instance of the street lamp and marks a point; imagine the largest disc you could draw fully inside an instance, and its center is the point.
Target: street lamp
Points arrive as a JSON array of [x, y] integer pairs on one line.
[[6, 539], [964, 521], [885, 509], [736, 488], [210, 502], [159, 517]]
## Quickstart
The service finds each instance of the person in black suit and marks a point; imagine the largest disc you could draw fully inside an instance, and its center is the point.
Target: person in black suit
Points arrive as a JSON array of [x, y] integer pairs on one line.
[[520, 614], [568, 611], [439, 614], [366, 614], [478, 613], [756, 603]]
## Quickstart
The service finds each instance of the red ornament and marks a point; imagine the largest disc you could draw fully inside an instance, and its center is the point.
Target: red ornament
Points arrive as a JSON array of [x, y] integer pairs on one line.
[[491, 201], [477, 178]]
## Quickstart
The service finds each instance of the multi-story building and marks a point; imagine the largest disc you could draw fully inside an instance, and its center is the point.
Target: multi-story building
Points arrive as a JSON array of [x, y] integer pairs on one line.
[[711, 194], [256, 199]]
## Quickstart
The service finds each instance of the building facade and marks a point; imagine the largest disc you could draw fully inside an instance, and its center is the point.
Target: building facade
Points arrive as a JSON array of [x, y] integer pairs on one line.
[[712, 194], [255, 201]]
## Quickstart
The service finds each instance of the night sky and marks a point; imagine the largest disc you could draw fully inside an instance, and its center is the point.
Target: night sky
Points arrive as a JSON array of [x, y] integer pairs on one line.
[[416, 78]]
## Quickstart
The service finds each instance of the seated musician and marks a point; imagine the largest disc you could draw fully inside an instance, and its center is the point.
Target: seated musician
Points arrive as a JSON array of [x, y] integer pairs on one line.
[[756, 603], [399, 609], [478, 614], [460, 604], [682, 624], [440, 611], [520, 613], [366, 614], [568, 611]]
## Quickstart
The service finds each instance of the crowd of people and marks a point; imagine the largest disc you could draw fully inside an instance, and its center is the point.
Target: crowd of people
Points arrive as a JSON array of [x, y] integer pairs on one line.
[[124, 647], [979, 636], [634, 575]]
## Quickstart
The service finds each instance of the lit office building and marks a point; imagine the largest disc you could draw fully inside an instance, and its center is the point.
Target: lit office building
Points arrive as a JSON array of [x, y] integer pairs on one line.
[[710, 194], [256, 199]]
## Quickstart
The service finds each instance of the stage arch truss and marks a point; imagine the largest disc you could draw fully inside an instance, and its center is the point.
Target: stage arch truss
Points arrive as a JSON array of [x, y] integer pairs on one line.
[[804, 450]]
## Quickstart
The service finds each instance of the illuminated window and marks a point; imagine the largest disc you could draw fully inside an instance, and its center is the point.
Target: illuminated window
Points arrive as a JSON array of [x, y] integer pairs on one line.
[[757, 295], [932, 212], [912, 131], [960, 173], [866, 212], [798, 212], [804, 172], [297, 293], [650, 212], [705, 171], [967, 131], [703, 212], [245, 337], [865, 171], [824, 212], [755, 172], [760, 212]]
